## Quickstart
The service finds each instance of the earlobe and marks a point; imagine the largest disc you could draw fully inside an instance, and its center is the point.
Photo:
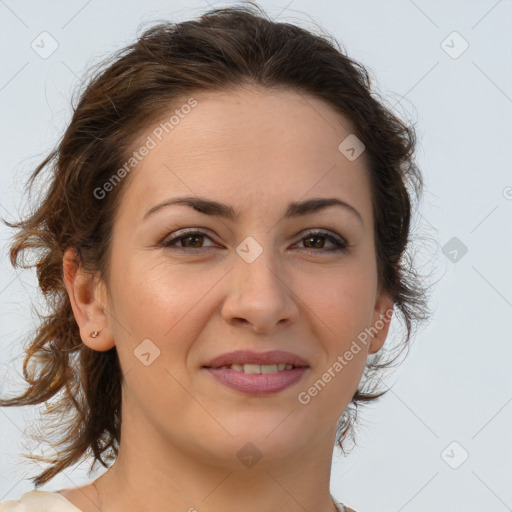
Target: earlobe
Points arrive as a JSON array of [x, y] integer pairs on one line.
[[88, 301], [381, 321]]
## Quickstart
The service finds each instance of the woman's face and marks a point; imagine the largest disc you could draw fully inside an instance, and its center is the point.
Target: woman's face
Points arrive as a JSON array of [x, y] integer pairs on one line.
[[261, 281]]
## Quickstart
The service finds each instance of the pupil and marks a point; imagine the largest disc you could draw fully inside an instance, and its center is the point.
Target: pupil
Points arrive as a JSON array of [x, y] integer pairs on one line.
[[318, 238], [193, 237]]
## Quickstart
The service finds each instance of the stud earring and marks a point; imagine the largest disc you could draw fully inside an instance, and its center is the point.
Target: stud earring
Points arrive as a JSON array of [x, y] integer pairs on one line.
[[94, 334]]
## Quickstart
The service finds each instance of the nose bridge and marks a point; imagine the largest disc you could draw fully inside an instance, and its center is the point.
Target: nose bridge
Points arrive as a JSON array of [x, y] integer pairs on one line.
[[257, 265], [258, 292]]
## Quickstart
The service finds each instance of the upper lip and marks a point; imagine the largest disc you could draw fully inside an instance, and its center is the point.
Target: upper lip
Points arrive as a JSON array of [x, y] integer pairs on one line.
[[248, 357]]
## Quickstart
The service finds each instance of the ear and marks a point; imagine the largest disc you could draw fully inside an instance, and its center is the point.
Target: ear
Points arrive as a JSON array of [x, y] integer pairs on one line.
[[381, 321], [87, 294]]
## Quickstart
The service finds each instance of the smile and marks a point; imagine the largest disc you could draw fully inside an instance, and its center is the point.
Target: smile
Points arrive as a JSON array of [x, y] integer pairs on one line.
[[257, 379]]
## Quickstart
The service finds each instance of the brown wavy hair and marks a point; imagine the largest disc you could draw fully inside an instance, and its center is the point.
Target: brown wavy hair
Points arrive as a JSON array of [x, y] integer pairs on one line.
[[221, 50]]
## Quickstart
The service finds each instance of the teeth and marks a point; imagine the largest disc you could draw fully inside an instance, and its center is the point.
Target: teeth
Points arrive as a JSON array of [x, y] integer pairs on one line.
[[253, 368], [258, 368]]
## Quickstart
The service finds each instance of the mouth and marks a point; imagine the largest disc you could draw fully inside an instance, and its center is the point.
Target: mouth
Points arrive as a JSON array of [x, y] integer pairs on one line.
[[258, 373]]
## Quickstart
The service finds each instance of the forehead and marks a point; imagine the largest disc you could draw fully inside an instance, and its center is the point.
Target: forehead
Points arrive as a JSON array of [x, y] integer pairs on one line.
[[256, 146]]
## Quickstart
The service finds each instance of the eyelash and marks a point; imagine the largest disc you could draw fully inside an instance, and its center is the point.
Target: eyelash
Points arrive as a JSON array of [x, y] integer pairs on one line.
[[340, 243]]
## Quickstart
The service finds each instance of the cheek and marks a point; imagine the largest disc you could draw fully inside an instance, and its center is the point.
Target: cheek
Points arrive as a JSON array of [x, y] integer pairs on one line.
[[342, 298], [341, 305], [341, 309], [164, 303]]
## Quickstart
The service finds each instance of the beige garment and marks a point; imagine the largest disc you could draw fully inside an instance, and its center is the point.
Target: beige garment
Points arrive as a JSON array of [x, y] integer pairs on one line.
[[47, 501], [39, 501]]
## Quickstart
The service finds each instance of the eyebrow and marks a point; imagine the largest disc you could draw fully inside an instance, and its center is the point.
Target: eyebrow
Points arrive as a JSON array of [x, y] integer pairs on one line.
[[214, 208]]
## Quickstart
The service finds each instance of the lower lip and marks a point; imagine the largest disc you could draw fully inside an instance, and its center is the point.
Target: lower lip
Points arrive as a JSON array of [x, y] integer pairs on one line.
[[258, 383]]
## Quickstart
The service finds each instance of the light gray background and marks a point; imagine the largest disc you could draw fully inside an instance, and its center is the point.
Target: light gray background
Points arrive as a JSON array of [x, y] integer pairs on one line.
[[455, 385]]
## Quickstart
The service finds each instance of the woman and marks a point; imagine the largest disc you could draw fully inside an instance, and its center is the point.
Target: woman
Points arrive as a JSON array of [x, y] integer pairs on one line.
[[224, 242]]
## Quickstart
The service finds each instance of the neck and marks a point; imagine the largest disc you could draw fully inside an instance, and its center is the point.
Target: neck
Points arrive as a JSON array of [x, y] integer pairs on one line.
[[151, 473]]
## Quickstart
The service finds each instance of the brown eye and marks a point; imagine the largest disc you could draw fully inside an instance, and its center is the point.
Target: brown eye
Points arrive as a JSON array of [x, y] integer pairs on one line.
[[196, 239], [315, 240], [189, 240]]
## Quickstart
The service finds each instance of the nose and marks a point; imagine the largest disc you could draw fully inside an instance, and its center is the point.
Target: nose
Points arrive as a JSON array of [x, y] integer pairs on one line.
[[260, 295]]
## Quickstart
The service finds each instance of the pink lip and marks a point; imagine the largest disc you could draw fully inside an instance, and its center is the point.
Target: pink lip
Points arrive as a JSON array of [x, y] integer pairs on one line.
[[258, 383], [248, 357]]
